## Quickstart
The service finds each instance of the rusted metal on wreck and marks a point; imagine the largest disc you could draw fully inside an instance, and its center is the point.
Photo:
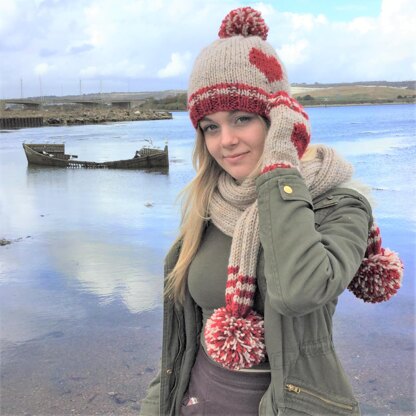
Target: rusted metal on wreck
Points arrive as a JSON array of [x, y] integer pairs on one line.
[[54, 155]]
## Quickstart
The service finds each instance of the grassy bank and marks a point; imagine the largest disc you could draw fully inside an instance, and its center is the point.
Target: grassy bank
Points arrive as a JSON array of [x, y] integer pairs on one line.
[[353, 94], [317, 95]]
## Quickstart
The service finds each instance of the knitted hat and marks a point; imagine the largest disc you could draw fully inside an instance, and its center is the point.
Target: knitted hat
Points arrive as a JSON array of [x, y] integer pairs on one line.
[[239, 71]]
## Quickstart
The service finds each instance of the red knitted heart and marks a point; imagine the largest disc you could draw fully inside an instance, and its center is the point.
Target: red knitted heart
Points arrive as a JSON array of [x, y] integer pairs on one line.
[[267, 64], [300, 138]]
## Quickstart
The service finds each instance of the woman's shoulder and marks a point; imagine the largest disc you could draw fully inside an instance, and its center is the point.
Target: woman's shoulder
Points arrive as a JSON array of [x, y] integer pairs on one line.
[[349, 191]]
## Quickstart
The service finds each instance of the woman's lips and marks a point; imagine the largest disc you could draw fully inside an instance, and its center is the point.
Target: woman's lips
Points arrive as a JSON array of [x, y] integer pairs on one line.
[[235, 158]]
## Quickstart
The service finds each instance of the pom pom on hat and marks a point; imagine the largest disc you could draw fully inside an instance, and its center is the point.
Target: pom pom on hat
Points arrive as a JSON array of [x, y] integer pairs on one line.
[[380, 274], [235, 342], [243, 21]]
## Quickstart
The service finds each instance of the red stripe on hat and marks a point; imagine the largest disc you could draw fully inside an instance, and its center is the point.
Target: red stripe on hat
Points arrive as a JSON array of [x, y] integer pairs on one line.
[[227, 97]]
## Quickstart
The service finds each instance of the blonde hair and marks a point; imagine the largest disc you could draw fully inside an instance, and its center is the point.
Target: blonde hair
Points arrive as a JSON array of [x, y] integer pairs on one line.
[[196, 197]]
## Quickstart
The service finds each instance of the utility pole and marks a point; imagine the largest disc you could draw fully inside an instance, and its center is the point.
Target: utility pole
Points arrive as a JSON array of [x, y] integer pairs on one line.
[[21, 88], [40, 88], [80, 87]]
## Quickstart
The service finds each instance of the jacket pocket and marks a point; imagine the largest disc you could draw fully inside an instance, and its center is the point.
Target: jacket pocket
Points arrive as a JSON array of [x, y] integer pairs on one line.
[[322, 209], [307, 400], [192, 406]]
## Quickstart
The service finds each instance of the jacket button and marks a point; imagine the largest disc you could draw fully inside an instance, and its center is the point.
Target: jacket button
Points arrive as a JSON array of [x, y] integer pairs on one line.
[[169, 371], [288, 189]]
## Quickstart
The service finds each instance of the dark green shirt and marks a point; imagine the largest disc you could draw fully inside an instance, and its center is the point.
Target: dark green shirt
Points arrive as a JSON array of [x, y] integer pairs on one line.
[[207, 275]]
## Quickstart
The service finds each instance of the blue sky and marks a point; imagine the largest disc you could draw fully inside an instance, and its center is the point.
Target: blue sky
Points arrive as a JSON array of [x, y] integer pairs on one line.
[[334, 9], [60, 47]]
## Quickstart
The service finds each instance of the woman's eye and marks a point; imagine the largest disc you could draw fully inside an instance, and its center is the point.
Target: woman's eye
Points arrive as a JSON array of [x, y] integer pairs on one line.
[[243, 119], [209, 128]]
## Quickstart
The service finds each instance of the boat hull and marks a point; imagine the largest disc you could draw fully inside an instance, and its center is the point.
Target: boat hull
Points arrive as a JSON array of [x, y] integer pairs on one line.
[[54, 155]]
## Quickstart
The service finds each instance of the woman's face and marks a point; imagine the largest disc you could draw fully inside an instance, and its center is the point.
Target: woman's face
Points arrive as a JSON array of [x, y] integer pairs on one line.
[[235, 139]]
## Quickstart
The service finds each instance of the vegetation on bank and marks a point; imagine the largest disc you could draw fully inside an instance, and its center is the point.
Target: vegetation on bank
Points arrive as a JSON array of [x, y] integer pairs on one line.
[[171, 103], [341, 94], [57, 116]]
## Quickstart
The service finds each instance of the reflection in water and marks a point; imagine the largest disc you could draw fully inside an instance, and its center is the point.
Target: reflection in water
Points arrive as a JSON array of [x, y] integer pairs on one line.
[[109, 270], [33, 312], [60, 280]]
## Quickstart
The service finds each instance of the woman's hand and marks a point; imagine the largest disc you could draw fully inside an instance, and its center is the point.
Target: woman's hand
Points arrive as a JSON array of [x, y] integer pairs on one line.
[[288, 135]]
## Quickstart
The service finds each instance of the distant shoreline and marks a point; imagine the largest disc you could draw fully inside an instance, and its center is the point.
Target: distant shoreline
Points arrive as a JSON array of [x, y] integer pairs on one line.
[[355, 104], [334, 105], [20, 118]]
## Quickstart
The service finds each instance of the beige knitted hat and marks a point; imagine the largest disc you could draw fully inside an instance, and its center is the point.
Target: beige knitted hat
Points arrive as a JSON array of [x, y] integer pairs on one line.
[[239, 71]]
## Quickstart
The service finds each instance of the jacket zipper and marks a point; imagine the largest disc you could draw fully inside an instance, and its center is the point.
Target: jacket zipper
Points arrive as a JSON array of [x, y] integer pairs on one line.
[[295, 389]]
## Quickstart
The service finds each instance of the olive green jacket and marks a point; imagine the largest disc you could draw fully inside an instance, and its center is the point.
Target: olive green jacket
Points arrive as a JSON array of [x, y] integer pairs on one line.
[[310, 251]]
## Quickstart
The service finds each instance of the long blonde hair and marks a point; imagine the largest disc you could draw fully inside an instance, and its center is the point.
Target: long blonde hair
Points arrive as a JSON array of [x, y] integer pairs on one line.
[[196, 197]]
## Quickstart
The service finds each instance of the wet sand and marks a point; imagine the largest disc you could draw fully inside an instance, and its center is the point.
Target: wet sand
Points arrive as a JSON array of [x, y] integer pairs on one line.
[[95, 369]]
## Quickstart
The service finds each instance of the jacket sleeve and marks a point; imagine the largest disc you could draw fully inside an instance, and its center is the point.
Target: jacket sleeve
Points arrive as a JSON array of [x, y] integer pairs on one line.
[[150, 404], [305, 267]]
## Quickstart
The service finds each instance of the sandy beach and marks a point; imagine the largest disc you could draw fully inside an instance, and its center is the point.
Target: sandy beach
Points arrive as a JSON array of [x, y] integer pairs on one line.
[[95, 369]]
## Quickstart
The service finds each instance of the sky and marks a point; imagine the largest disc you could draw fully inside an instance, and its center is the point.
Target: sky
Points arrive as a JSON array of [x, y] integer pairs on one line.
[[62, 47]]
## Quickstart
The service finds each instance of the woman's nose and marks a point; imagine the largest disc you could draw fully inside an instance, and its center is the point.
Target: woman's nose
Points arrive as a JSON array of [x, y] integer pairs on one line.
[[228, 136]]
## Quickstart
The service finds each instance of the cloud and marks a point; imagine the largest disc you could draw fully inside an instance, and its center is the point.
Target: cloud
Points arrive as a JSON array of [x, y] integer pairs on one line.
[[45, 52], [365, 48], [120, 69], [306, 22], [177, 66], [362, 25], [81, 48], [155, 42], [8, 14], [42, 69], [295, 53]]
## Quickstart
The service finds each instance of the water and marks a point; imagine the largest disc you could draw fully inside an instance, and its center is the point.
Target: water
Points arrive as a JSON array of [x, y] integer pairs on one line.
[[81, 283]]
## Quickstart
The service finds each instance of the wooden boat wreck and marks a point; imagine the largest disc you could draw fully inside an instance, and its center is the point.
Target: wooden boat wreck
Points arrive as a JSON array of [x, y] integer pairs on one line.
[[54, 155]]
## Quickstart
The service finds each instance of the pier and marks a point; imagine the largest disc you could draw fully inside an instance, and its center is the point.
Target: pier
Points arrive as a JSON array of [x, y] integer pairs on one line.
[[9, 123]]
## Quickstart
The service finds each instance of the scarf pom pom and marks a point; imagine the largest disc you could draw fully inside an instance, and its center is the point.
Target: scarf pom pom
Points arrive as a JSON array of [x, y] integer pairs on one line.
[[379, 277], [235, 342]]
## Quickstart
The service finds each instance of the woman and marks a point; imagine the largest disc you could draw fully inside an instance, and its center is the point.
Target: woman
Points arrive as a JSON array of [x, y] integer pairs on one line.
[[271, 236]]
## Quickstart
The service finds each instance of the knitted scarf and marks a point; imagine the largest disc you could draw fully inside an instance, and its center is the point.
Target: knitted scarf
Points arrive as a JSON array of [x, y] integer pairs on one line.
[[234, 334]]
